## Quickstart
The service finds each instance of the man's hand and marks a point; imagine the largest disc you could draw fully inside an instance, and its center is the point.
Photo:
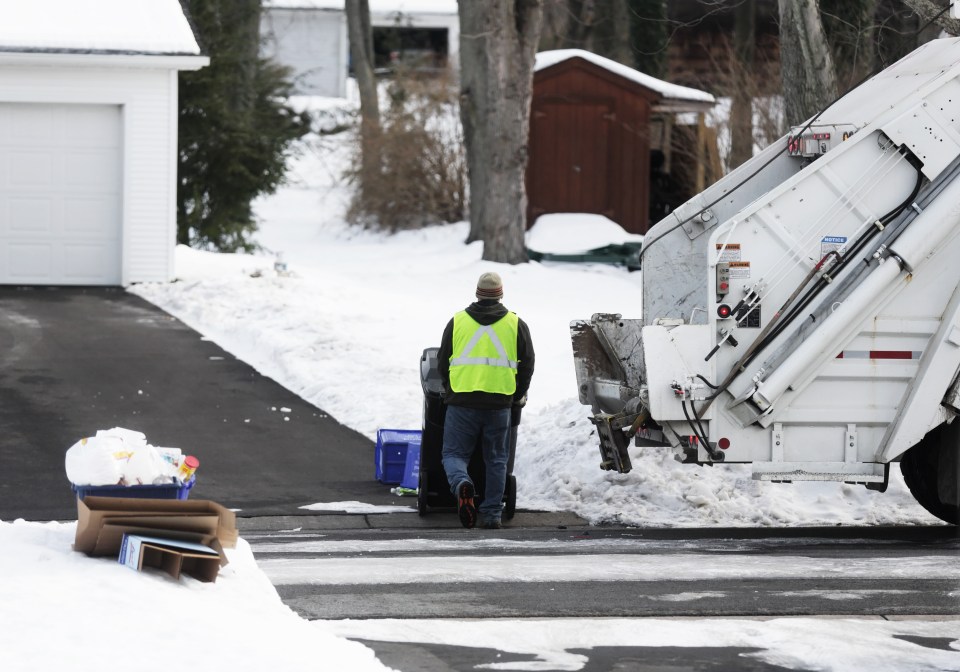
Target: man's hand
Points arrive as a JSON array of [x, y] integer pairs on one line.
[[521, 402]]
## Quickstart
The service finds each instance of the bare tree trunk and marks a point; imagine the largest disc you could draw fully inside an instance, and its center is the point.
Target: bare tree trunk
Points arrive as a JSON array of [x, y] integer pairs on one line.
[[868, 57], [741, 109], [851, 27], [556, 19], [926, 10], [600, 27], [581, 15], [809, 76], [649, 36], [498, 42], [361, 53], [611, 36]]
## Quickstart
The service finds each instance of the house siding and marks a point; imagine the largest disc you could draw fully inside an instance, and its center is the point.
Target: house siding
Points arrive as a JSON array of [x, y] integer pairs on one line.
[[313, 43], [149, 148]]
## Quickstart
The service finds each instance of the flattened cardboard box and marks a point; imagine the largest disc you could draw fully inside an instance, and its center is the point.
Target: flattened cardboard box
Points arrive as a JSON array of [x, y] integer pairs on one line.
[[102, 522], [184, 528], [201, 560]]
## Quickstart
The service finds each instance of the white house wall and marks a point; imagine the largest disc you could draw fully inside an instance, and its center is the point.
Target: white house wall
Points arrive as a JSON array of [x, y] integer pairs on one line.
[[311, 42], [148, 100]]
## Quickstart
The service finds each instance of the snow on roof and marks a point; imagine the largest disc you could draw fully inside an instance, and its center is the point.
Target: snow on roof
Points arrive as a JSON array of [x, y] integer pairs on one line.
[[138, 26], [376, 6], [546, 59]]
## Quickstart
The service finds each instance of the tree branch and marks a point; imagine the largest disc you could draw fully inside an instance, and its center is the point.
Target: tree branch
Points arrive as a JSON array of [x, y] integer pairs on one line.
[[927, 10]]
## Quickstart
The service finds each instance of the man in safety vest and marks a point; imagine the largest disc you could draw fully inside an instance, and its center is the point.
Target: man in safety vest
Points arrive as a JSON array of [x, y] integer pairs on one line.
[[486, 362]]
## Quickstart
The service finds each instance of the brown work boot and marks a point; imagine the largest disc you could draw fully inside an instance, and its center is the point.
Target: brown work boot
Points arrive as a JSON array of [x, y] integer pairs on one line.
[[466, 507]]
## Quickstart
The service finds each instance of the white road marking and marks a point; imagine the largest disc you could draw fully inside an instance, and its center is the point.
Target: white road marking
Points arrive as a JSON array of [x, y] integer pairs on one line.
[[593, 567]]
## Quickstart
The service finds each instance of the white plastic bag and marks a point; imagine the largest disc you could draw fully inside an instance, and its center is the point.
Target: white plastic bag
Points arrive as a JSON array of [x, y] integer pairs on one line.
[[93, 461], [145, 467], [131, 439], [117, 456]]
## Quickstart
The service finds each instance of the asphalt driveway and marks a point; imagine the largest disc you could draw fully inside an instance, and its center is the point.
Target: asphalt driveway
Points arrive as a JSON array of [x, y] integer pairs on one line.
[[75, 360]]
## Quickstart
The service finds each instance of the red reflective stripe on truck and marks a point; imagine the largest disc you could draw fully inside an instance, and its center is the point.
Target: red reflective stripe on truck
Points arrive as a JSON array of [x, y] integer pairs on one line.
[[879, 354], [891, 354]]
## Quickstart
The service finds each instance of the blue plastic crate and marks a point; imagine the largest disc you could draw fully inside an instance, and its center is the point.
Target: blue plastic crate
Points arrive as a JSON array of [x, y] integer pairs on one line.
[[165, 491], [396, 451], [411, 468]]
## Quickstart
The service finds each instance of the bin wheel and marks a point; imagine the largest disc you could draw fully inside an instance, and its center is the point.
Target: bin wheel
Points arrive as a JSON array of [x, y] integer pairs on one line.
[[422, 495], [510, 498]]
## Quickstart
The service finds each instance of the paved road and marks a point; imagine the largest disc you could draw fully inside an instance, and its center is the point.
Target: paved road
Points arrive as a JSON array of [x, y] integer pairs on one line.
[[75, 360], [552, 566], [599, 572]]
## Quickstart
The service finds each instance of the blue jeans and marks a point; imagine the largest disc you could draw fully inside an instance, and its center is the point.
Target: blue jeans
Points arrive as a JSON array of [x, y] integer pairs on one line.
[[461, 430]]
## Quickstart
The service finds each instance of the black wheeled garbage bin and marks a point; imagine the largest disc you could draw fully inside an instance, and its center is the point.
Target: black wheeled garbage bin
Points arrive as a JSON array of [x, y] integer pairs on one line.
[[434, 492]]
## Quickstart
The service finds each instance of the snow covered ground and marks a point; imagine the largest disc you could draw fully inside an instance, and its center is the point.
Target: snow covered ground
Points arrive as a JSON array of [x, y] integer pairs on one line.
[[61, 610], [344, 327]]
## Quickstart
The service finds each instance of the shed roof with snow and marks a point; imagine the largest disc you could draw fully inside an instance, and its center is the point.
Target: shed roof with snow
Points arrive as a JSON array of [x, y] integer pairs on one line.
[[88, 139], [673, 97]]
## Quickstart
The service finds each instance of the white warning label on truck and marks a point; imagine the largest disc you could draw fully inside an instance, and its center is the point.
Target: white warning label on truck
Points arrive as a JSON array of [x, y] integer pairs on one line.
[[830, 243], [728, 252], [739, 270]]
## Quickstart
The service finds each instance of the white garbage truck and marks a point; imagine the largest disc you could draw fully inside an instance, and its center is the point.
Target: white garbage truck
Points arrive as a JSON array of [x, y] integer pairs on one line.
[[803, 313]]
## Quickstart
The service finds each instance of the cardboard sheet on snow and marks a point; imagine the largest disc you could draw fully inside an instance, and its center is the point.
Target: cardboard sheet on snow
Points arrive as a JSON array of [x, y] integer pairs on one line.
[[201, 560], [102, 522], [183, 528]]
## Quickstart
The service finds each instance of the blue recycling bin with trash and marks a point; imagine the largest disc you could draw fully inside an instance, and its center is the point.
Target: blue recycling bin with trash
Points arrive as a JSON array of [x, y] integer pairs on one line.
[[119, 462], [175, 490]]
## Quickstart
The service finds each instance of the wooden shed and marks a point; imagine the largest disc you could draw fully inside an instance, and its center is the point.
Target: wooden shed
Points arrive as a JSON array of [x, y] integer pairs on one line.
[[593, 125]]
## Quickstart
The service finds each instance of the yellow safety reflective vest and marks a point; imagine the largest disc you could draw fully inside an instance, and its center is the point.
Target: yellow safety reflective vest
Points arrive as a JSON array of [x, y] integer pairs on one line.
[[484, 357]]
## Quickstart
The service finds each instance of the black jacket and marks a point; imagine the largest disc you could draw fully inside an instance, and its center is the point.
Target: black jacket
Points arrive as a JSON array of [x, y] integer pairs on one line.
[[487, 312]]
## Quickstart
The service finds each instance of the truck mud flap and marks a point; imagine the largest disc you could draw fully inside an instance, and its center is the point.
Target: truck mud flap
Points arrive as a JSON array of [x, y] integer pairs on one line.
[[613, 442]]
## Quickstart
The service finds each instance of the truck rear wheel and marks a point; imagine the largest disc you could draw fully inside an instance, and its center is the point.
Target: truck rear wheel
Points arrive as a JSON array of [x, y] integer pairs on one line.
[[930, 470]]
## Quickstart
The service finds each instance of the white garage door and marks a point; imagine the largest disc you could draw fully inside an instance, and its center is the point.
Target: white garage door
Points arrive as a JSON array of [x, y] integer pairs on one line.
[[60, 194]]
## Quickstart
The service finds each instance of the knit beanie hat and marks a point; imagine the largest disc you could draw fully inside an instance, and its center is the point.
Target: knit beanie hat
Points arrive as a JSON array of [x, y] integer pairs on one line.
[[489, 286]]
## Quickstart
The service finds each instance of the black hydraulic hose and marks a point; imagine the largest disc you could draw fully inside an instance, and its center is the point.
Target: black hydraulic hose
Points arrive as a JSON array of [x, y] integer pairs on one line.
[[822, 283], [699, 432], [708, 383]]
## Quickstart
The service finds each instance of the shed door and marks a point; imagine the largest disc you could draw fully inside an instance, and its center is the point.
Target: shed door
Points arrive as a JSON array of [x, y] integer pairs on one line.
[[60, 194], [571, 143]]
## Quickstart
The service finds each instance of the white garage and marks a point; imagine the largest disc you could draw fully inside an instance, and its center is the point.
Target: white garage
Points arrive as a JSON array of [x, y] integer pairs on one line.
[[88, 140]]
